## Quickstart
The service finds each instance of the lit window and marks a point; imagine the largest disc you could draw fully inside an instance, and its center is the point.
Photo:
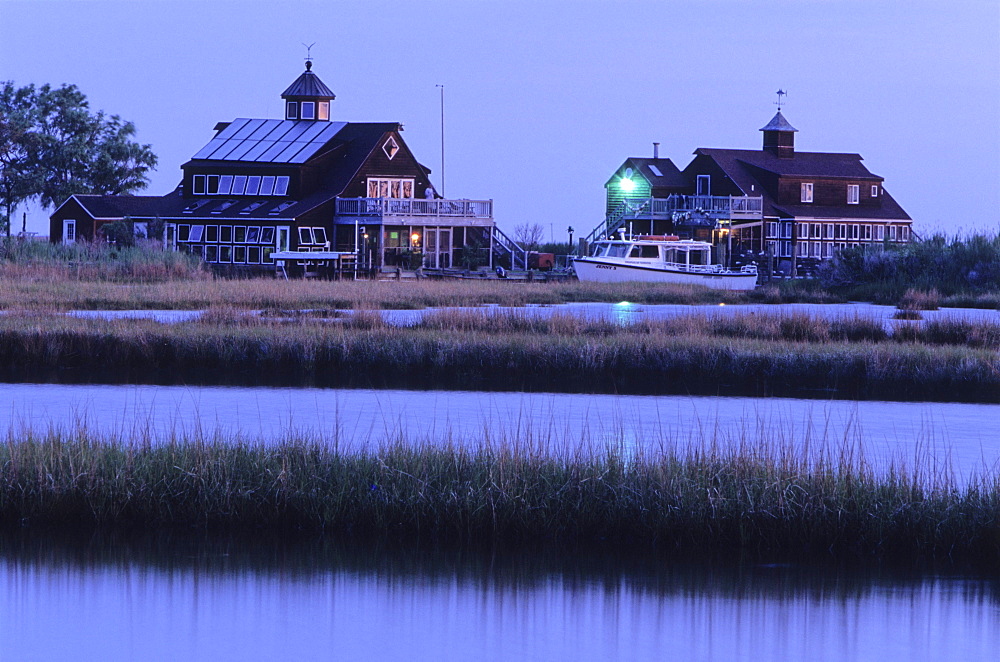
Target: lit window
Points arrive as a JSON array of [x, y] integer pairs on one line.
[[291, 110], [199, 184], [806, 192], [324, 110], [853, 194], [308, 110]]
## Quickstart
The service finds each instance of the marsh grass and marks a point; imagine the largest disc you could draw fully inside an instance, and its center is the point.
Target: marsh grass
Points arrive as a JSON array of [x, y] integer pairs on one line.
[[517, 350], [61, 288], [761, 501]]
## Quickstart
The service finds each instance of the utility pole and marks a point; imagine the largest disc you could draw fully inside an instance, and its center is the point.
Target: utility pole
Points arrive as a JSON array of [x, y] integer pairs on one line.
[[441, 87]]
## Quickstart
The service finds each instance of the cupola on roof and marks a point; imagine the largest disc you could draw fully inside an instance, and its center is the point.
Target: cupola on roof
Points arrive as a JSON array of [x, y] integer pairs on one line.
[[309, 86], [779, 123]]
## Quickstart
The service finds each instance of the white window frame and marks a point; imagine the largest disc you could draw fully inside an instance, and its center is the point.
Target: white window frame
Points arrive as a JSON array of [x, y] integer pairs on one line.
[[308, 110], [704, 182], [874, 190], [198, 181], [892, 233], [904, 233], [267, 185], [69, 231], [225, 184], [772, 229], [853, 194], [239, 184], [212, 185], [879, 232], [806, 192], [866, 232], [828, 231], [281, 185], [253, 185], [323, 111], [292, 110]]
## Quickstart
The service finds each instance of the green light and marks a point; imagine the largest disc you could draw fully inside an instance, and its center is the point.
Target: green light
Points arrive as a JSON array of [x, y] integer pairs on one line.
[[626, 184]]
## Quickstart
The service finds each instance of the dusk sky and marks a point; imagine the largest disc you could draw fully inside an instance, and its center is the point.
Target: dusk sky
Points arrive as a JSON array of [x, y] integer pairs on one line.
[[543, 99]]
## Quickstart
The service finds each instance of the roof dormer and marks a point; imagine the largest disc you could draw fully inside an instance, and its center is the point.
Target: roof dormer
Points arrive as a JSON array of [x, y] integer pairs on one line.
[[308, 98]]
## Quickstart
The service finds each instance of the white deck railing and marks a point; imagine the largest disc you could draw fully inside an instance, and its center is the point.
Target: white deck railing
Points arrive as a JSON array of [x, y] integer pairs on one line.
[[410, 207]]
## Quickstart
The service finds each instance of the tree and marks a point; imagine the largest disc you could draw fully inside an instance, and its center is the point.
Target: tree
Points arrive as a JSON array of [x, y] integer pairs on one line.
[[52, 146], [529, 236]]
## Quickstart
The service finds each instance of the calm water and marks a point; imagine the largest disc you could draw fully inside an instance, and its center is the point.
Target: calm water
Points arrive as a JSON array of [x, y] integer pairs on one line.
[[965, 437], [195, 604]]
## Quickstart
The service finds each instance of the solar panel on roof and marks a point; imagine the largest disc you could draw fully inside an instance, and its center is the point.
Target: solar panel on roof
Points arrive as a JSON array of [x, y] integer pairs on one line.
[[270, 141]]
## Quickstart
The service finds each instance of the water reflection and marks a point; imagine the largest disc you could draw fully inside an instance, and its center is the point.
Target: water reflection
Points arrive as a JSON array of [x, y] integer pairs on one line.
[[948, 437], [166, 599]]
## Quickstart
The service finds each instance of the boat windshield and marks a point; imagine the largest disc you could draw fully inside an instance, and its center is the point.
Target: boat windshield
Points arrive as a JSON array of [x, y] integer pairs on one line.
[[645, 251], [617, 249]]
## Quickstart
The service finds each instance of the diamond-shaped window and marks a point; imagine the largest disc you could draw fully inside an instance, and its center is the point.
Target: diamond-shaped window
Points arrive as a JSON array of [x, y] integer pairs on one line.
[[390, 147]]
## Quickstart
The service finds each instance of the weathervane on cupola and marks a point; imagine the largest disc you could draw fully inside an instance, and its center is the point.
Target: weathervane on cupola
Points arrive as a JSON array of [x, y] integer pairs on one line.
[[779, 135], [780, 93], [308, 98]]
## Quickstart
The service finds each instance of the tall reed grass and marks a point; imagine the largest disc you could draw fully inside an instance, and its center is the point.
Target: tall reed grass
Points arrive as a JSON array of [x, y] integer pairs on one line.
[[770, 502], [39, 262], [750, 355]]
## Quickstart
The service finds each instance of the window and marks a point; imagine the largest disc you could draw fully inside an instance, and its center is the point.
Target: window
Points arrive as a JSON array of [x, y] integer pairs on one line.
[[704, 185], [213, 184], [308, 110], [324, 110], [225, 253], [319, 235], [904, 234], [240, 235], [197, 231], [239, 184], [226, 234], [211, 253], [828, 231], [253, 185], [806, 192], [281, 186], [815, 249], [874, 190], [225, 184], [253, 234], [866, 231], [69, 231], [198, 183], [786, 230], [305, 236], [239, 254], [816, 230], [267, 185], [283, 237], [854, 232], [772, 229], [786, 249], [853, 194], [841, 231], [827, 249], [253, 255], [212, 234], [892, 233], [183, 232], [267, 235], [879, 232], [379, 187], [390, 147], [291, 111]]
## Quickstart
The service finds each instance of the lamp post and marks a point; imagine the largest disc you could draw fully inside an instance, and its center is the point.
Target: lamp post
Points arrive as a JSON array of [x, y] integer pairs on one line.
[[570, 230]]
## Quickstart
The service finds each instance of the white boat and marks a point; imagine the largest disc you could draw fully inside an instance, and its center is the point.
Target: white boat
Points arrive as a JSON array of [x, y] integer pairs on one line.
[[660, 259]]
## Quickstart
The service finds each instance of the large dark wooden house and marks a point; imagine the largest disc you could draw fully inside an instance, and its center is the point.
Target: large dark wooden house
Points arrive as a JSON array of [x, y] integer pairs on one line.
[[302, 183], [795, 207]]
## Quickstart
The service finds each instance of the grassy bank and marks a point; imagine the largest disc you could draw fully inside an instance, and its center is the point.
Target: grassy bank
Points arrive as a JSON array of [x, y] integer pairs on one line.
[[762, 503], [39, 290], [746, 355]]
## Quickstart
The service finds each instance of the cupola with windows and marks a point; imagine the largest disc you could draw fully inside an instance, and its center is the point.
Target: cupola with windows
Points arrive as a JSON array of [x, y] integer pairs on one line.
[[308, 98], [779, 137]]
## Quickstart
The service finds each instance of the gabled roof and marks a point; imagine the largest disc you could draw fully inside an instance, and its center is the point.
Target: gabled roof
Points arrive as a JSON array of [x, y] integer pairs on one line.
[[658, 172], [803, 164], [753, 171], [308, 84], [119, 206]]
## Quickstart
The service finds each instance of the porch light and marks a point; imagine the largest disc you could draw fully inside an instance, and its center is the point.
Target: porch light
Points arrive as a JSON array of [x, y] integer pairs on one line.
[[415, 238], [626, 184]]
